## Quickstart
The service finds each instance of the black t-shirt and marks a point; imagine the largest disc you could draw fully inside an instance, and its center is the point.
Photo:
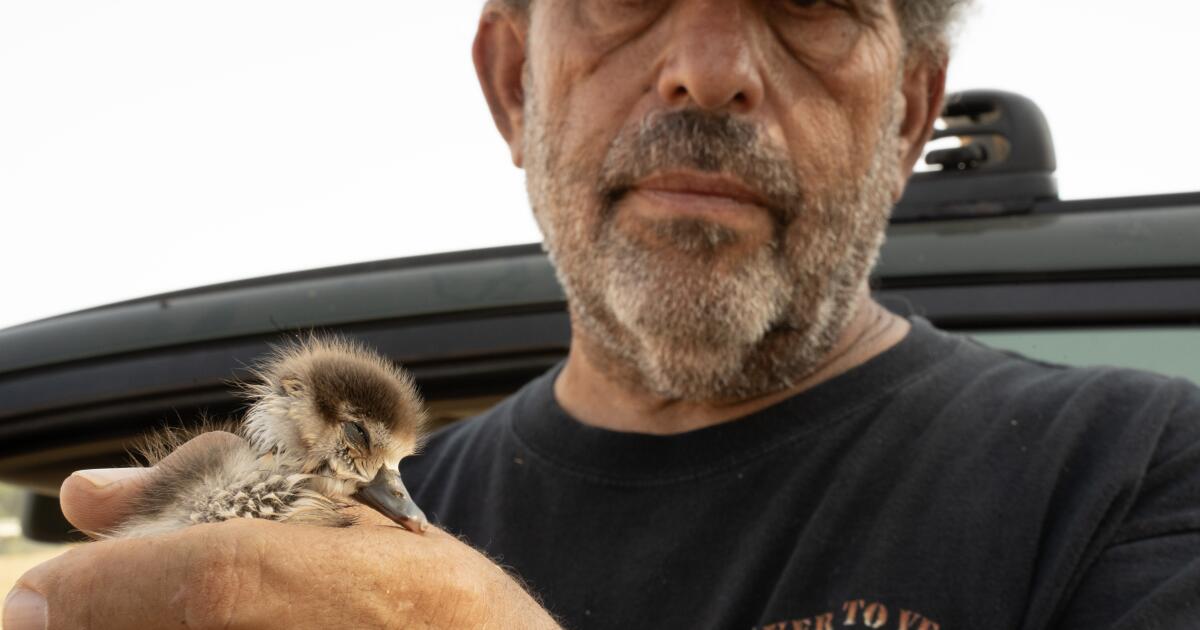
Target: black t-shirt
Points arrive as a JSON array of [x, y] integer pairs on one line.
[[942, 485]]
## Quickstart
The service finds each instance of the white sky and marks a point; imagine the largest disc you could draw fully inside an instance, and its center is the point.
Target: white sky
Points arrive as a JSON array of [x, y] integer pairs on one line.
[[154, 145]]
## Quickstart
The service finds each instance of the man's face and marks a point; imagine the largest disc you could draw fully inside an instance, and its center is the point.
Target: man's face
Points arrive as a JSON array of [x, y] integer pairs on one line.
[[713, 179]]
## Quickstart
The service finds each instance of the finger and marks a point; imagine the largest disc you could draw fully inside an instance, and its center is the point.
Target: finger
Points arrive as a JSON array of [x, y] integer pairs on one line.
[[56, 594], [246, 573], [98, 500], [177, 580], [95, 500]]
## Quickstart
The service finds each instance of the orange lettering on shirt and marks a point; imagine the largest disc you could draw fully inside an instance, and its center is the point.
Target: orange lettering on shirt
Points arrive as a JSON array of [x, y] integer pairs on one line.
[[907, 620], [852, 607], [875, 616]]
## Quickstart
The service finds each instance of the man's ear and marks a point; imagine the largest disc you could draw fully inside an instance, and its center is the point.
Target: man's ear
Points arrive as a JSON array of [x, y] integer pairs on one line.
[[499, 54], [924, 91]]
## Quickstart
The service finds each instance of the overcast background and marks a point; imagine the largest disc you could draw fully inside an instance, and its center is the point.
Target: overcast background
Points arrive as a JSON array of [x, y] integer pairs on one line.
[[154, 145]]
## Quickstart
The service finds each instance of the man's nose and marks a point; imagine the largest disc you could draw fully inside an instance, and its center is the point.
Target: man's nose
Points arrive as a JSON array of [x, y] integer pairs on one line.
[[711, 63]]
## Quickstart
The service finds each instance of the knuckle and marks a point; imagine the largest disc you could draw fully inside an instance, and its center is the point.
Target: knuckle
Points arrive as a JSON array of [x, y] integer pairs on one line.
[[221, 574]]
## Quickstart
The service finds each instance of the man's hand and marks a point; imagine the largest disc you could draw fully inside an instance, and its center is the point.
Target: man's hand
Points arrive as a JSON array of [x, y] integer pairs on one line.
[[260, 574]]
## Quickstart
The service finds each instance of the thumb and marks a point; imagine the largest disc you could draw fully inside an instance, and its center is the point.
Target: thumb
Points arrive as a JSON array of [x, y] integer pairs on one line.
[[98, 500]]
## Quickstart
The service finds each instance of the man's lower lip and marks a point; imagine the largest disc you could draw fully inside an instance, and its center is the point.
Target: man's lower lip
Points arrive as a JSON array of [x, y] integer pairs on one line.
[[695, 204]]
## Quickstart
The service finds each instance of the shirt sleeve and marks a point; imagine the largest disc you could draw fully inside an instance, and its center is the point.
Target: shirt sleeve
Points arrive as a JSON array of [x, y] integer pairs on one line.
[[1148, 574]]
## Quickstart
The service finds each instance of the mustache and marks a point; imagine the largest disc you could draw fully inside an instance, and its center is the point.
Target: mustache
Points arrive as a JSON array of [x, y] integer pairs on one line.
[[707, 142]]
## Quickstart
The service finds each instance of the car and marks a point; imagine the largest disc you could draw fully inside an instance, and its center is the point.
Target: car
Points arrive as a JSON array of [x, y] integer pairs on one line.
[[979, 244]]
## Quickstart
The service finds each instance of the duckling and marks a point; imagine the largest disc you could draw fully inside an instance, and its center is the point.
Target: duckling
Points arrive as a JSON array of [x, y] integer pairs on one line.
[[328, 424]]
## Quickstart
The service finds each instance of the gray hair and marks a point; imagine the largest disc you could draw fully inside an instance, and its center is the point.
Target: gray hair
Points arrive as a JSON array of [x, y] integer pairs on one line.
[[926, 24]]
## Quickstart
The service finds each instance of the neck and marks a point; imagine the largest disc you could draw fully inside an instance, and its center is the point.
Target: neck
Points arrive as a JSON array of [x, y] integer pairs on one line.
[[596, 396]]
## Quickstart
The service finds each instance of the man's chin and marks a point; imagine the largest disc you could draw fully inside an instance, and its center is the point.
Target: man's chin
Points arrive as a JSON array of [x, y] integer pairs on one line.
[[689, 330], [688, 372]]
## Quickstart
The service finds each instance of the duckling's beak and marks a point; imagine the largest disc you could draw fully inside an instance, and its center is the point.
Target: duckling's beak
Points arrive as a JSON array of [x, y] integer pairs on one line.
[[387, 494]]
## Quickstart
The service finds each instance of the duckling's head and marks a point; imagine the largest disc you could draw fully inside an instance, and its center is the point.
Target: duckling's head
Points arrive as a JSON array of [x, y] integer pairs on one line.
[[345, 415]]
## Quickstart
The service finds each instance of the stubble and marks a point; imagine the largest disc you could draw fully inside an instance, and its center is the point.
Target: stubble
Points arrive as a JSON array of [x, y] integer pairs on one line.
[[684, 309]]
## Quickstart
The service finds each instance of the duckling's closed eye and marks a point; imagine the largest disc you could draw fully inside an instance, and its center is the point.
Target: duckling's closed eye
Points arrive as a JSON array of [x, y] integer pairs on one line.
[[357, 435]]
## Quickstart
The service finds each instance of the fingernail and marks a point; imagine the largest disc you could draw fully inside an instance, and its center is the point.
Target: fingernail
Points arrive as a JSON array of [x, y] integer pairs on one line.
[[101, 477], [25, 610]]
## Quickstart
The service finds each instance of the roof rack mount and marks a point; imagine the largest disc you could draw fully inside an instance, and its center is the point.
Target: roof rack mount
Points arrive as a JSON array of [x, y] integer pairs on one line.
[[1001, 162]]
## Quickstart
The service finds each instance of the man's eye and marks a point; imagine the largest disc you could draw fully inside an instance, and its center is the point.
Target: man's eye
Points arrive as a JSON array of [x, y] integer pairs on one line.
[[356, 434], [633, 5], [819, 31], [803, 5]]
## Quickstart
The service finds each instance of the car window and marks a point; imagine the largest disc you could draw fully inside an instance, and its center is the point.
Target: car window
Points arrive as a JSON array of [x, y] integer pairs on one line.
[[1167, 350]]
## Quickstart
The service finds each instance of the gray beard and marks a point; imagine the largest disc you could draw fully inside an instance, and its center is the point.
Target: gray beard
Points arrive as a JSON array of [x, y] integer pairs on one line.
[[680, 316]]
